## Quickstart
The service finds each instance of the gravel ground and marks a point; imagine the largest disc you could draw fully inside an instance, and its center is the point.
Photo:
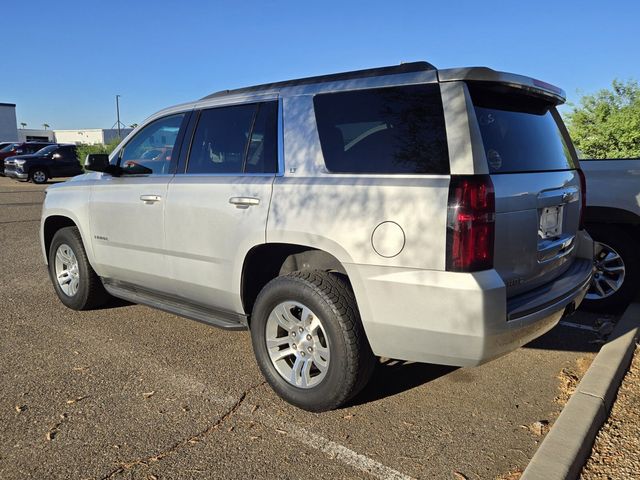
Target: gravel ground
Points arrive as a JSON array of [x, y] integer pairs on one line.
[[616, 452]]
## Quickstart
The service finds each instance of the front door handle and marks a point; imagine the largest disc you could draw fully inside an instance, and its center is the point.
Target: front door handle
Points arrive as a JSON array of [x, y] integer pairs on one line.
[[244, 202], [150, 198]]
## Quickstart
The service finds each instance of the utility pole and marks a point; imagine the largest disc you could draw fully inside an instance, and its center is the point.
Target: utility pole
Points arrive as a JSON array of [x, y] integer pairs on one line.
[[118, 114]]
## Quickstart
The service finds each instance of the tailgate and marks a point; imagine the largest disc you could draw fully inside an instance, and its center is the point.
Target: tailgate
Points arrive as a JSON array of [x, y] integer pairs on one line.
[[537, 186]]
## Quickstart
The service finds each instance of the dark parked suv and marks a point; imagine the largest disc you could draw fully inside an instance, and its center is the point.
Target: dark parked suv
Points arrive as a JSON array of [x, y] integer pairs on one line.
[[51, 161], [19, 148]]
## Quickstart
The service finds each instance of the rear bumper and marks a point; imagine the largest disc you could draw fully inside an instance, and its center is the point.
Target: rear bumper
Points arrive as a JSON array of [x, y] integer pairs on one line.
[[460, 319]]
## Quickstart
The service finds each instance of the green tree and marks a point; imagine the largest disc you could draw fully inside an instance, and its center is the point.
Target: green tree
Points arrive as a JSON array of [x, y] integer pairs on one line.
[[85, 149], [606, 124]]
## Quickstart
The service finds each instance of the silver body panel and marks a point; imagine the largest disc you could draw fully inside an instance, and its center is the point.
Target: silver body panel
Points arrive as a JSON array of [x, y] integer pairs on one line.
[[191, 241], [613, 184]]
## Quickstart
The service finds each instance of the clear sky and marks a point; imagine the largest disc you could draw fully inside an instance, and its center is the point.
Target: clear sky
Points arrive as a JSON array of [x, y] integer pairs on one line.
[[63, 61]]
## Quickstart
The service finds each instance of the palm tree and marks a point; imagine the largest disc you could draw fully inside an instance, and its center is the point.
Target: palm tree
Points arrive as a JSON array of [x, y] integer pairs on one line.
[[46, 125], [22, 124]]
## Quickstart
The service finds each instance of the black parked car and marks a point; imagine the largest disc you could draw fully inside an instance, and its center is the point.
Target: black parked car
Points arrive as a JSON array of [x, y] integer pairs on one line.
[[51, 161], [19, 148]]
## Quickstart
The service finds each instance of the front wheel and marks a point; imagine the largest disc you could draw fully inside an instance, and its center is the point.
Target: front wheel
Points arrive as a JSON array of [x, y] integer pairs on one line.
[[74, 280], [39, 176], [308, 340]]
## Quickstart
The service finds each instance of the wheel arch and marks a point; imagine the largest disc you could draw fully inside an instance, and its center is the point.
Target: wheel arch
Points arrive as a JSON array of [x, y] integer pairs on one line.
[[264, 262], [56, 220], [595, 214]]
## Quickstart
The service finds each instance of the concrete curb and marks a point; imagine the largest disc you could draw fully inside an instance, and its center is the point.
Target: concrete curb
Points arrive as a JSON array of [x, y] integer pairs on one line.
[[567, 446]]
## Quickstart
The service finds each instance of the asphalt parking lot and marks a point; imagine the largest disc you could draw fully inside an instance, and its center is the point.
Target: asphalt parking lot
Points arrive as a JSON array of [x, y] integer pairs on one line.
[[131, 392]]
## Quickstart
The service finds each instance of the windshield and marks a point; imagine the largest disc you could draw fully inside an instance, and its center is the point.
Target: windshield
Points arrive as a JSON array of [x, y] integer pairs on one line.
[[8, 148], [520, 133], [46, 150]]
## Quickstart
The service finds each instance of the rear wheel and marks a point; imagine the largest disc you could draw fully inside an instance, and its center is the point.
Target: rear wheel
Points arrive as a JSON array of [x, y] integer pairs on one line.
[[309, 341], [617, 262], [74, 280], [39, 176]]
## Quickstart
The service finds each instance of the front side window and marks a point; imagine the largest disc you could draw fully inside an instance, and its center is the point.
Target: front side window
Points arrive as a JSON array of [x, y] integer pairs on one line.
[[383, 130], [152, 149], [47, 150]]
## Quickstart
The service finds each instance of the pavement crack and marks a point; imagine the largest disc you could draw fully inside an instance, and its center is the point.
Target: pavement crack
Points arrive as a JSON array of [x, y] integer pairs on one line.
[[191, 440]]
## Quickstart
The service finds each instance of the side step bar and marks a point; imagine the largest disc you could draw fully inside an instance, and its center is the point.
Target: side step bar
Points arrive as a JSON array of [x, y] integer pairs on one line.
[[177, 306]]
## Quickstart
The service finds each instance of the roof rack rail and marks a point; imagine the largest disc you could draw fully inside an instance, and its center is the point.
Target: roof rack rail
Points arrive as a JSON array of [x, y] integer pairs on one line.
[[369, 72]]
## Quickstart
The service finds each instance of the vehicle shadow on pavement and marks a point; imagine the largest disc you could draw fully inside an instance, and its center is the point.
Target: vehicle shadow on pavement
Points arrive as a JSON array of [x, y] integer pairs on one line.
[[395, 376]]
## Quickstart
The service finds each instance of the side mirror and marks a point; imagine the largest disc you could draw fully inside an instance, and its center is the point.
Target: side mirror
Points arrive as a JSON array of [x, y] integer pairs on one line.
[[96, 162]]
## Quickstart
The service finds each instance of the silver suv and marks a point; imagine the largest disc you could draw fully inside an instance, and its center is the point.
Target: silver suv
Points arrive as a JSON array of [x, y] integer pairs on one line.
[[406, 212]]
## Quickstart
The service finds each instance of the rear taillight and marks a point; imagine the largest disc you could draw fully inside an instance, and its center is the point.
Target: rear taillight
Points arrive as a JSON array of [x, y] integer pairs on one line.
[[583, 197], [470, 223]]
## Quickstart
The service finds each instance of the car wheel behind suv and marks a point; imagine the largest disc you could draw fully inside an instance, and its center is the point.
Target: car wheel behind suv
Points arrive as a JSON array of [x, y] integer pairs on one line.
[[615, 281], [39, 176], [74, 280], [309, 341]]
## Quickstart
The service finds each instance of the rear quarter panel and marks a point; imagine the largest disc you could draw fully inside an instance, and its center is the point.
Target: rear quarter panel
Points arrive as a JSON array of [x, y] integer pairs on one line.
[[338, 213]]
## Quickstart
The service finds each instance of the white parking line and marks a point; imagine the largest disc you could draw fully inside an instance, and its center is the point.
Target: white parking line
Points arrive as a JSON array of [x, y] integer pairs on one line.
[[564, 323], [331, 448]]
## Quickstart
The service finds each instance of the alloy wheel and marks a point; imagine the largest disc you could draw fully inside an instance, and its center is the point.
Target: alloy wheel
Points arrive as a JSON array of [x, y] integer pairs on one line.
[[609, 275], [67, 270], [297, 344]]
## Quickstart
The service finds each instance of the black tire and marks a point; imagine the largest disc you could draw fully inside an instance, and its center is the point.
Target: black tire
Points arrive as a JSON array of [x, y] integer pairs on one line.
[[626, 245], [91, 293], [38, 176], [330, 297]]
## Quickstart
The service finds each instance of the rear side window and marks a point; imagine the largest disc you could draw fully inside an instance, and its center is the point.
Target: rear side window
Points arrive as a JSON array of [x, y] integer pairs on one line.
[[383, 130], [236, 139], [520, 133]]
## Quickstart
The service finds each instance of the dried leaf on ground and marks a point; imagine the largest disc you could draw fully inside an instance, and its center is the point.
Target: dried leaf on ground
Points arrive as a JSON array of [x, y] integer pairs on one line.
[[77, 399], [148, 394], [512, 475]]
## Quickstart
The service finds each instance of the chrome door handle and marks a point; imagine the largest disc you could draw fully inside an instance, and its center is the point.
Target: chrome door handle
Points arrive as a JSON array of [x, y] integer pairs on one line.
[[150, 198], [244, 202]]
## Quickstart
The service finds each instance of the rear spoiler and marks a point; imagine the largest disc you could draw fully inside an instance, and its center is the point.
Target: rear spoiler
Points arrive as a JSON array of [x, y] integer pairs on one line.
[[484, 74]]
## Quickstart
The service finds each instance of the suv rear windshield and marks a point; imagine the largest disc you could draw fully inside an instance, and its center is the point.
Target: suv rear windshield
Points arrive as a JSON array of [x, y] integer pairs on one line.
[[383, 130], [520, 132]]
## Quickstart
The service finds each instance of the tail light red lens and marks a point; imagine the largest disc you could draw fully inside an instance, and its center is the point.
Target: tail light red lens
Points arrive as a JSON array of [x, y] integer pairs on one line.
[[583, 197], [470, 223]]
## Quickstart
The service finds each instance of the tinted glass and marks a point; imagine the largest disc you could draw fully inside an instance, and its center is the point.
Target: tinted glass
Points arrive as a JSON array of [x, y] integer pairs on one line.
[[519, 132], [384, 130], [220, 140], [262, 155], [44, 151], [152, 149], [8, 148]]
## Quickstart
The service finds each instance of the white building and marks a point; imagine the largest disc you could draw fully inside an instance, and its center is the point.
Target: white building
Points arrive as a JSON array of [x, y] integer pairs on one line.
[[9, 131], [90, 135], [8, 123]]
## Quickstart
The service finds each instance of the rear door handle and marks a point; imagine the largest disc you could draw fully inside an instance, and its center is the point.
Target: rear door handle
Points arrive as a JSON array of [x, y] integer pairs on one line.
[[244, 202], [150, 198]]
